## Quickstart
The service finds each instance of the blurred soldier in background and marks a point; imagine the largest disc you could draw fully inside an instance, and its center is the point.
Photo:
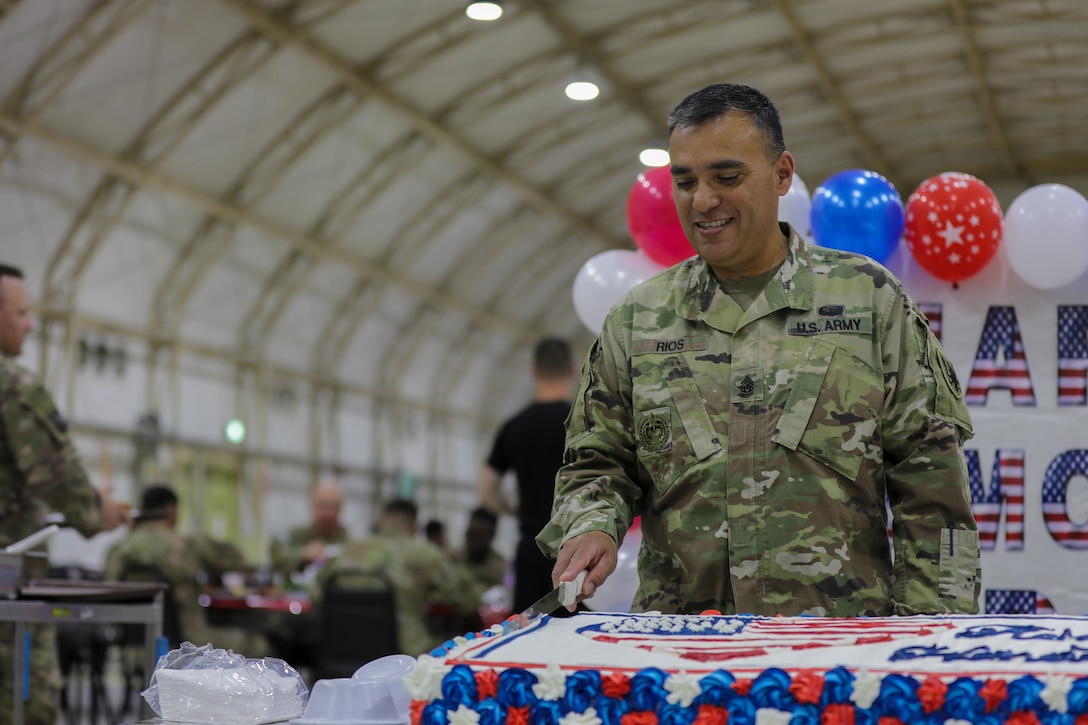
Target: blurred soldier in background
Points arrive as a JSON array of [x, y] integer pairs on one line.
[[317, 542], [155, 547], [420, 575], [483, 563], [435, 532], [39, 470]]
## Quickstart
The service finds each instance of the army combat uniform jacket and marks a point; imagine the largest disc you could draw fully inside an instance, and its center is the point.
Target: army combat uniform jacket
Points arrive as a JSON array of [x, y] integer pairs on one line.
[[39, 465], [420, 575], [761, 446]]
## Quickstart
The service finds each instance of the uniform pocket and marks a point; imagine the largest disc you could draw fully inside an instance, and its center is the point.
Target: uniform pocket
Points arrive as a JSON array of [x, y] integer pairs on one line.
[[831, 413], [672, 426], [958, 575]]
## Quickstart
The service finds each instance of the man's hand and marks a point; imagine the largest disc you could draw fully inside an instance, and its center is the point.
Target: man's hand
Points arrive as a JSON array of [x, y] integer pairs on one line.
[[594, 551], [314, 551], [114, 514]]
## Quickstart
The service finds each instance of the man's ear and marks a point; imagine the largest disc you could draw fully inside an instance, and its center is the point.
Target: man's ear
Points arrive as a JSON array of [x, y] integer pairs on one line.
[[783, 169]]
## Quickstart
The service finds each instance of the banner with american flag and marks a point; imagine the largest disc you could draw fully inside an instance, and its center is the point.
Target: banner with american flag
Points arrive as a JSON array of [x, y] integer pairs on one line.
[[1000, 362], [1022, 354]]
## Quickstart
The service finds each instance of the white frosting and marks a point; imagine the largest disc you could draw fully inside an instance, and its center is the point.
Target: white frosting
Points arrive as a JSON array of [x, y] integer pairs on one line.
[[424, 682], [682, 688], [1055, 692], [769, 716], [589, 717], [464, 716], [866, 689], [551, 683], [698, 644]]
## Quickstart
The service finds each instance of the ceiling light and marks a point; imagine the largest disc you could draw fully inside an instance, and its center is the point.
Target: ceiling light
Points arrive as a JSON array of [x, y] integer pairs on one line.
[[484, 11], [654, 157], [235, 431], [582, 91]]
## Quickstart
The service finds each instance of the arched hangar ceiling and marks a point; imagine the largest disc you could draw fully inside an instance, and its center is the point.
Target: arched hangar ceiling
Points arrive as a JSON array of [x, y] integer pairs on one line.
[[388, 196]]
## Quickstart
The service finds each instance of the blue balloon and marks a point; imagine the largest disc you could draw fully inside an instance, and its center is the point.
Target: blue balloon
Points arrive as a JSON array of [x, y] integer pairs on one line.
[[858, 211]]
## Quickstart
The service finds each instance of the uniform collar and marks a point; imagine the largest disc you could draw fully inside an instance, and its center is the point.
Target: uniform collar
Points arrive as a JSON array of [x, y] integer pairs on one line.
[[792, 286]]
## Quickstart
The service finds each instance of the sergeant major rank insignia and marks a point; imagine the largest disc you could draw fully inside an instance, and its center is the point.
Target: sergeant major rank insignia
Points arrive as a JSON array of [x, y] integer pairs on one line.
[[653, 429]]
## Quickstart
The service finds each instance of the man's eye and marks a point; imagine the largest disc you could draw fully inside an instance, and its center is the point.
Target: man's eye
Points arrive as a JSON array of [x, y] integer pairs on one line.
[[729, 179], [683, 183]]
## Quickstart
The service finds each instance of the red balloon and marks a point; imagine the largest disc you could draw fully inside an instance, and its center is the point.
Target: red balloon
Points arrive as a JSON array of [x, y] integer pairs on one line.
[[953, 225], [652, 219]]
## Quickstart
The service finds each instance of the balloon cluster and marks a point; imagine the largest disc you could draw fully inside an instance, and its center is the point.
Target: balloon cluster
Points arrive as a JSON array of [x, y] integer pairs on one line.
[[952, 225]]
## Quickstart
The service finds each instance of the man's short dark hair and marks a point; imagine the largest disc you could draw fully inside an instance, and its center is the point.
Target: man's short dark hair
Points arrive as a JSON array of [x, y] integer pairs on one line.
[[433, 528], [551, 358], [714, 101], [486, 515], [6, 270], [403, 507], [156, 502]]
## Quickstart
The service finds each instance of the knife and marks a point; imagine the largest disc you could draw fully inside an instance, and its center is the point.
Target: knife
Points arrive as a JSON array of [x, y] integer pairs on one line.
[[562, 596]]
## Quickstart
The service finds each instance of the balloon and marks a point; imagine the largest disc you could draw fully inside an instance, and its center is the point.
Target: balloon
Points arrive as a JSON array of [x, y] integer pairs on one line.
[[796, 207], [953, 225], [652, 218], [606, 277], [858, 211], [618, 590], [1046, 235]]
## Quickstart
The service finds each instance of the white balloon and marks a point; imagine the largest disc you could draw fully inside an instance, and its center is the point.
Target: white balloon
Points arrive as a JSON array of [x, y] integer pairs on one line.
[[604, 279], [618, 590], [1046, 235], [796, 207]]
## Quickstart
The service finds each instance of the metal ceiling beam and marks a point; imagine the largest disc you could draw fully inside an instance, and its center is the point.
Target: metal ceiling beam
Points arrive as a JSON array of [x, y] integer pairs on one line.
[[365, 84], [985, 98], [234, 215], [168, 128], [588, 49], [85, 321], [831, 89], [54, 70], [332, 224]]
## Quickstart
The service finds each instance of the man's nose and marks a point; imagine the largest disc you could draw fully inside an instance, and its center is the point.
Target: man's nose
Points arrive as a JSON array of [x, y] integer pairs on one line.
[[705, 199]]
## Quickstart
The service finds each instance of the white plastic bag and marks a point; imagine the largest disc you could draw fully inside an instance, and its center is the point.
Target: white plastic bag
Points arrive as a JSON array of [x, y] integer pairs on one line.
[[218, 687]]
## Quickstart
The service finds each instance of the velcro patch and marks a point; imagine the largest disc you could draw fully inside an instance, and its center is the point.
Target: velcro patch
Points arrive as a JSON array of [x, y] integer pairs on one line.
[[653, 430], [854, 325], [675, 344]]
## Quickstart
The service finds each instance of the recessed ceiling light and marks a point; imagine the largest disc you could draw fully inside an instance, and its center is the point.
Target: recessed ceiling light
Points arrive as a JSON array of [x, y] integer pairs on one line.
[[654, 157], [484, 11], [582, 91]]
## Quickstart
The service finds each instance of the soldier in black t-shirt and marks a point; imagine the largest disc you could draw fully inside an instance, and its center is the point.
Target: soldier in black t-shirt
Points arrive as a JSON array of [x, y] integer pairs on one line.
[[531, 444]]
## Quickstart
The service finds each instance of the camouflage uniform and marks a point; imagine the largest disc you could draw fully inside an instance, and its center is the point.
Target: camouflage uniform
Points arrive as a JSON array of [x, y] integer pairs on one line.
[[420, 574], [487, 573], [759, 445], [286, 549], [39, 470], [182, 559]]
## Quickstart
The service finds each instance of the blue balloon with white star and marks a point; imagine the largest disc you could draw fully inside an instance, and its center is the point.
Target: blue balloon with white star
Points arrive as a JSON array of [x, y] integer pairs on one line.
[[858, 211]]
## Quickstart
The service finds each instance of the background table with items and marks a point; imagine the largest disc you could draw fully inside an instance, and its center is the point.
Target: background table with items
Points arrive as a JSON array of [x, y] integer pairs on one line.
[[66, 601]]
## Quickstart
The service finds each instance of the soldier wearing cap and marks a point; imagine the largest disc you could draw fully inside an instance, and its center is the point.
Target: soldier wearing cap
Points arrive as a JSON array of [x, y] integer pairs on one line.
[[758, 405], [40, 470]]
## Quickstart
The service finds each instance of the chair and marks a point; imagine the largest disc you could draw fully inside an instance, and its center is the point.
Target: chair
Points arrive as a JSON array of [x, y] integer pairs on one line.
[[358, 622]]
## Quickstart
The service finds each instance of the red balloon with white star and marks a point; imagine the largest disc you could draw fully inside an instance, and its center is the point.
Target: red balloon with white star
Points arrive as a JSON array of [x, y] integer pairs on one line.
[[953, 225]]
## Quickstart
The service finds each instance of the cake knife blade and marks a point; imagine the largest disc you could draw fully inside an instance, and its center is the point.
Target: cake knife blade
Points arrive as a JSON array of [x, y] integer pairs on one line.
[[562, 596]]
